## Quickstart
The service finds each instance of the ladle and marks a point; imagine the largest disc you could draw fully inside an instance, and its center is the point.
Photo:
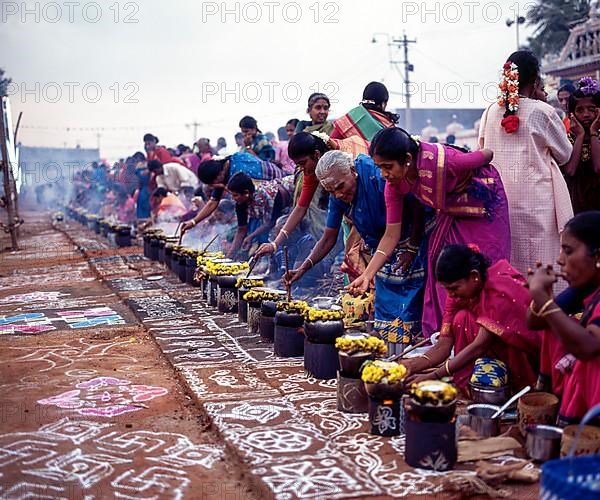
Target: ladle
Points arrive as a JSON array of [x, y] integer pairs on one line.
[[503, 408]]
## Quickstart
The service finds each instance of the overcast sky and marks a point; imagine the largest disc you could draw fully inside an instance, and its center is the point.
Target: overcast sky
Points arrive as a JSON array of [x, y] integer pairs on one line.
[[154, 66]]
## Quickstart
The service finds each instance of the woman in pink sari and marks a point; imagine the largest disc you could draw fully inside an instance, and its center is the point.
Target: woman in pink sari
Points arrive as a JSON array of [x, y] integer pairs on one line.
[[484, 317], [465, 190], [570, 358]]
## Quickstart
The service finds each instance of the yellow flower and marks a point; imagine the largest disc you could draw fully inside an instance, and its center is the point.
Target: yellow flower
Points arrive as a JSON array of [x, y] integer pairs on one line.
[[369, 344], [312, 314], [295, 306], [248, 283], [383, 371]]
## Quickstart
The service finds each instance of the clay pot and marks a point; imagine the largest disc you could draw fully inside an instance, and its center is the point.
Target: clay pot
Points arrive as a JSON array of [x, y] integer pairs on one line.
[[381, 391], [213, 292], [323, 332], [350, 364], [293, 320], [227, 281], [242, 305], [227, 298], [432, 413], [289, 335], [190, 270], [123, 236], [267, 328], [182, 269], [268, 308], [253, 318]]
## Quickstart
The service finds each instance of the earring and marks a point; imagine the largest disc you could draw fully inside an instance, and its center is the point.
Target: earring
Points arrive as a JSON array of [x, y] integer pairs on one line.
[[597, 265]]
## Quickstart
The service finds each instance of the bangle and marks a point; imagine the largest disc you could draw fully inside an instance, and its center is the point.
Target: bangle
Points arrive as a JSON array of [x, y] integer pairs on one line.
[[312, 264], [550, 311], [274, 245], [447, 367], [540, 312], [424, 356], [411, 250], [382, 253], [414, 248], [194, 222], [287, 235]]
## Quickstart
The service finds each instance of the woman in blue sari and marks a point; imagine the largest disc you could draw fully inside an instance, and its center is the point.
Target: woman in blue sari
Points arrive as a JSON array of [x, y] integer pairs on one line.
[[216, 173], [357, 190], [255, 141]]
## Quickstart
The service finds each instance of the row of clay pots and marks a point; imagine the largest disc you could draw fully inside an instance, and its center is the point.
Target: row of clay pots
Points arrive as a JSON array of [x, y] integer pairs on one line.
[[119, 235]]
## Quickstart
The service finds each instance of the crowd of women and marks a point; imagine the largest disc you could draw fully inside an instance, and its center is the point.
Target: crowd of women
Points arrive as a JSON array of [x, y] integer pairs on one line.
[[448, 240]]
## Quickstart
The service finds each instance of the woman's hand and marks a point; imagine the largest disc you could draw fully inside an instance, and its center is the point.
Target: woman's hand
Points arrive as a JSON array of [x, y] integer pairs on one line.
[[404, 261], [293, 276], [247, 243], [360, 285], [540, 281], [576, 127], [186, 226], [595, 126], [421, 377], [488, 155], [264, 249]]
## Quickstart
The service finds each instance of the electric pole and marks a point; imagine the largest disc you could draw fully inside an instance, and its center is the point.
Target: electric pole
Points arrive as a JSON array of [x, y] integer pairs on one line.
[[408, 67], [404, 41], [195, 125]]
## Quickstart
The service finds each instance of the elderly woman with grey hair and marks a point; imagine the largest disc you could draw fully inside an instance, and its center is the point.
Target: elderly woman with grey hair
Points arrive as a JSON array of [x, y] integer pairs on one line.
[[357, 190]]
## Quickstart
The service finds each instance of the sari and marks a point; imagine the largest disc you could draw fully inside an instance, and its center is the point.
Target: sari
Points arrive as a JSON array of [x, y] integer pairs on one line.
[[471, 206], [263, 148], [307, 126], [361, 122], [398, 294], [255, 168], [265, 206], [501, 309], [584, 184], [576, 382]]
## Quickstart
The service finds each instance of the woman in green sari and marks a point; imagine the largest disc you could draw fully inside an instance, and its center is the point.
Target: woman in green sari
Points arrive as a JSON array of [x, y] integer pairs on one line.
[[368, 118], [318, 110]]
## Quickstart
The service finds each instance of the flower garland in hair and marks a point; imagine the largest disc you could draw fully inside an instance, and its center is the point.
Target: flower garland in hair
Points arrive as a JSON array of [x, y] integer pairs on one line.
[[509, 97], [321, 135], [588, 86]]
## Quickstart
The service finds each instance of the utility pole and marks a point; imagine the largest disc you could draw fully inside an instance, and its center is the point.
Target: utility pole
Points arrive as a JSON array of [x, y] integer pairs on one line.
[[195, 125], [516, 21], [408, 67], [10, 193]]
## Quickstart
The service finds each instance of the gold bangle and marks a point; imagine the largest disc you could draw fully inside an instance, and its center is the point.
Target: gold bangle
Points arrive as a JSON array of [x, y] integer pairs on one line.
[[274, 245], [548, 303], [287, 235], [424, 356], [382, 253], [312, 264], [447, 367], [540, 312], [194, 222], [550, 311]]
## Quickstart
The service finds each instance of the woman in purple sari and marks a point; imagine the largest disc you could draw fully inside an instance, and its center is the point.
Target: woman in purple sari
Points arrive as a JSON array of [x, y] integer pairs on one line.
[[466, 192]]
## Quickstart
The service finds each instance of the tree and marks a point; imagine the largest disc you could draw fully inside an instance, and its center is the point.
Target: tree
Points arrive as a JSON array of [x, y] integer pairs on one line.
[[553, 20], [4, 83]]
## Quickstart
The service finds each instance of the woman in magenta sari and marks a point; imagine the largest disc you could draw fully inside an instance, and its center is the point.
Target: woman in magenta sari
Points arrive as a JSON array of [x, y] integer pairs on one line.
[[570, 357], [465, 190], [485, 316]]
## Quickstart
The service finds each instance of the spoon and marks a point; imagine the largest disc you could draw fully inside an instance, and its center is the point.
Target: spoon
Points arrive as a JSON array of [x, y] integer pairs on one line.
[[523, 391]]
